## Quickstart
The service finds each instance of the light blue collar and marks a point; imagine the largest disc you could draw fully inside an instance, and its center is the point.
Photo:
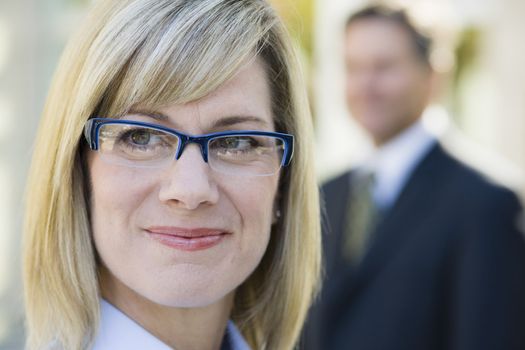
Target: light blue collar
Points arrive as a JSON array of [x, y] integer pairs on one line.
[[119, 332], [237, 341]]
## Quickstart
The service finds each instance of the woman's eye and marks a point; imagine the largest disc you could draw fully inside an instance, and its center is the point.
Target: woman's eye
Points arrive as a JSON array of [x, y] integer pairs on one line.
[[140, 137], [237, 143]]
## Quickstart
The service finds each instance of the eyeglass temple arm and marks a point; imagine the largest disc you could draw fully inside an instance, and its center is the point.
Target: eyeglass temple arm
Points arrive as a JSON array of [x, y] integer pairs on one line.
[[88, 134], [289, 151]]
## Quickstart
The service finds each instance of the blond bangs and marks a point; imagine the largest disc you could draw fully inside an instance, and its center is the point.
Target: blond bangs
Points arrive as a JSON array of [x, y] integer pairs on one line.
[[189, 53]]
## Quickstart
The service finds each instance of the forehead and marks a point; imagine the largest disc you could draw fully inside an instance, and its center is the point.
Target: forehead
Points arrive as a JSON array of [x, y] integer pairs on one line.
[[248, 90], [247, 94], [376, 38]]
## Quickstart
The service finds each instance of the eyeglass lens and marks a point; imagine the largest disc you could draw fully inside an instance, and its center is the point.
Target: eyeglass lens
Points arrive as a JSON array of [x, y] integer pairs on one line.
[[140, 146]]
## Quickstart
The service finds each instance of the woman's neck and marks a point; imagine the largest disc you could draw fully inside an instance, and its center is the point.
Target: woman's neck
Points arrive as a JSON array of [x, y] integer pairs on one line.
[[199, 328]]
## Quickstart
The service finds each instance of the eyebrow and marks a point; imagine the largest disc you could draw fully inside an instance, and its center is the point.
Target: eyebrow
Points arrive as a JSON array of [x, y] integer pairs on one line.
[[148, 113], [232, 120], [222, 122]]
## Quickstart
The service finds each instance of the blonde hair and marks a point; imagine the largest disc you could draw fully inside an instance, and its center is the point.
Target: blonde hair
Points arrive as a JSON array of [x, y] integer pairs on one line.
[[156, 52]]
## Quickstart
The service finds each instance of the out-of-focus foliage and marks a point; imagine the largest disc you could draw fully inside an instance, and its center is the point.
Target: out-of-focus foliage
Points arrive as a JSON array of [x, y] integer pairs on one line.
[[466, 51], [299, 18], [297, 14], [466, 54], [76, 2]]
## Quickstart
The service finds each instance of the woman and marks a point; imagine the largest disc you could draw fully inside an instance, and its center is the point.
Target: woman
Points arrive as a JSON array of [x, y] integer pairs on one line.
[[164, 209]]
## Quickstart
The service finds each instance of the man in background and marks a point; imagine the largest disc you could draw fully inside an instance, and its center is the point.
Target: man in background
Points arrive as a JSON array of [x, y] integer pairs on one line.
[[422, 252]]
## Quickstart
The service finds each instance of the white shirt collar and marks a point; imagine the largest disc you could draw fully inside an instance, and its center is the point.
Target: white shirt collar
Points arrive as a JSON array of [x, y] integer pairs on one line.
[[117, 331], [393, 163]]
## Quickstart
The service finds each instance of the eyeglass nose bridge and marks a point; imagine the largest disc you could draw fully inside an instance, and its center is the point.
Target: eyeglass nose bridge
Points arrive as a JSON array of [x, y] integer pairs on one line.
[[185, 140]]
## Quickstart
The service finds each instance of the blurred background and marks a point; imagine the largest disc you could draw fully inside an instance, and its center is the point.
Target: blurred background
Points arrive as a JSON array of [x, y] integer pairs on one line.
[[479, 54]]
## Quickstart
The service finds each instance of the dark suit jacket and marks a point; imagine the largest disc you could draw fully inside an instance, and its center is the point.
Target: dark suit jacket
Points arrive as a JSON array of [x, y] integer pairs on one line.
[[445, 270]]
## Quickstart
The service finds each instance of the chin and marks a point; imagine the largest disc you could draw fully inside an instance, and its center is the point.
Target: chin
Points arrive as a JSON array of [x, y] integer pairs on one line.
[[372, 123], [187, 302], [186, 295]]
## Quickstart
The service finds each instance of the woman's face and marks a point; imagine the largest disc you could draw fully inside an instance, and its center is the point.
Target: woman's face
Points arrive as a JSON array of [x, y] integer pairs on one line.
[[141, 217]]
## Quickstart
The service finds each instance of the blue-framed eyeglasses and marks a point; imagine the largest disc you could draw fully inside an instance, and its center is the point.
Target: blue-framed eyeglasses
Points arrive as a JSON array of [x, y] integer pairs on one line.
[[238, 152]]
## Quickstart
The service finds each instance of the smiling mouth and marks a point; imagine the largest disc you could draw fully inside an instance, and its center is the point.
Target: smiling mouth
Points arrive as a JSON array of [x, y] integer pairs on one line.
[[187, 239]]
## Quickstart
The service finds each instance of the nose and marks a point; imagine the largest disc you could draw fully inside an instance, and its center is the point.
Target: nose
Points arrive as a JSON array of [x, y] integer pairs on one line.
[[188, 182], [361, 80]]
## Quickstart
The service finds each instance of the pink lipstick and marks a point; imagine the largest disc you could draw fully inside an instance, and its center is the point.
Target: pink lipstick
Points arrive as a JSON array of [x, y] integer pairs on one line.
[[186, 239]]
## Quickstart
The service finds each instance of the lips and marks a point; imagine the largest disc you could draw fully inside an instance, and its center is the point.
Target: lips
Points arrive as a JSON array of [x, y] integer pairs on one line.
[[187, 239]]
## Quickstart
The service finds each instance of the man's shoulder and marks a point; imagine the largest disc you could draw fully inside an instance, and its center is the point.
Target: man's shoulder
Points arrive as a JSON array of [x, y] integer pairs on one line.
[[475, 186], [337, 179], [337, 184], [483, 169]]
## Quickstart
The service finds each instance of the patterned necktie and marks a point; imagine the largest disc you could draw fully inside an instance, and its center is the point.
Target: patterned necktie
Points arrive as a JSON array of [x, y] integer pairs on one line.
[[361, 218]]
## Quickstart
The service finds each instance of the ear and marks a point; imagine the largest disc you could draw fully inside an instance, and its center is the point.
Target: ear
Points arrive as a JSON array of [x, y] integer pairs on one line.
[[438, 85], [276, 216], [277, 200], [276, 210]]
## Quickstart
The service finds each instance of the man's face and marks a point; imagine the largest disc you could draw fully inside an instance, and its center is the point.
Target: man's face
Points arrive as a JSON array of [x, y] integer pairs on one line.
[[387, 84]]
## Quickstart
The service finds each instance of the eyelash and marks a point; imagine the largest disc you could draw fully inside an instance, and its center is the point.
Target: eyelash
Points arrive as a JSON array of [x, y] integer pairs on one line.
[[125, 139]]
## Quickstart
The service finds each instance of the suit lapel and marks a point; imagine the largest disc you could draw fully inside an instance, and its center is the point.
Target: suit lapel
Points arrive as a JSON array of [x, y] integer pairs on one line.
[[334, 218], [403, 220], [337, 194], [399, 224]]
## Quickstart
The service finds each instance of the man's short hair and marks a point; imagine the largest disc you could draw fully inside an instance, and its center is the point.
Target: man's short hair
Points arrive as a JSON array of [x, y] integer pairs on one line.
[[421, 42]]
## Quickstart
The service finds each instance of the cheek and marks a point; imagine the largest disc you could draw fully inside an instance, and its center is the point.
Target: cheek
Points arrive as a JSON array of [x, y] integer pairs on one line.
[[255, 206], [402, 84], [116, 196], [394, 83], [254, 200]]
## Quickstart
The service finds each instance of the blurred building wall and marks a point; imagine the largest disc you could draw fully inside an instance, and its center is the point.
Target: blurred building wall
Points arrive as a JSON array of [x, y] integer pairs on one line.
[[18, 110], [505, 62], [32, 35]]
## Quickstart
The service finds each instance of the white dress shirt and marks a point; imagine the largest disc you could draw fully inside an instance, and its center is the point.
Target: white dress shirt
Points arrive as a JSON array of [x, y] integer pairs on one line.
[[119, 332], [393, 163]]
